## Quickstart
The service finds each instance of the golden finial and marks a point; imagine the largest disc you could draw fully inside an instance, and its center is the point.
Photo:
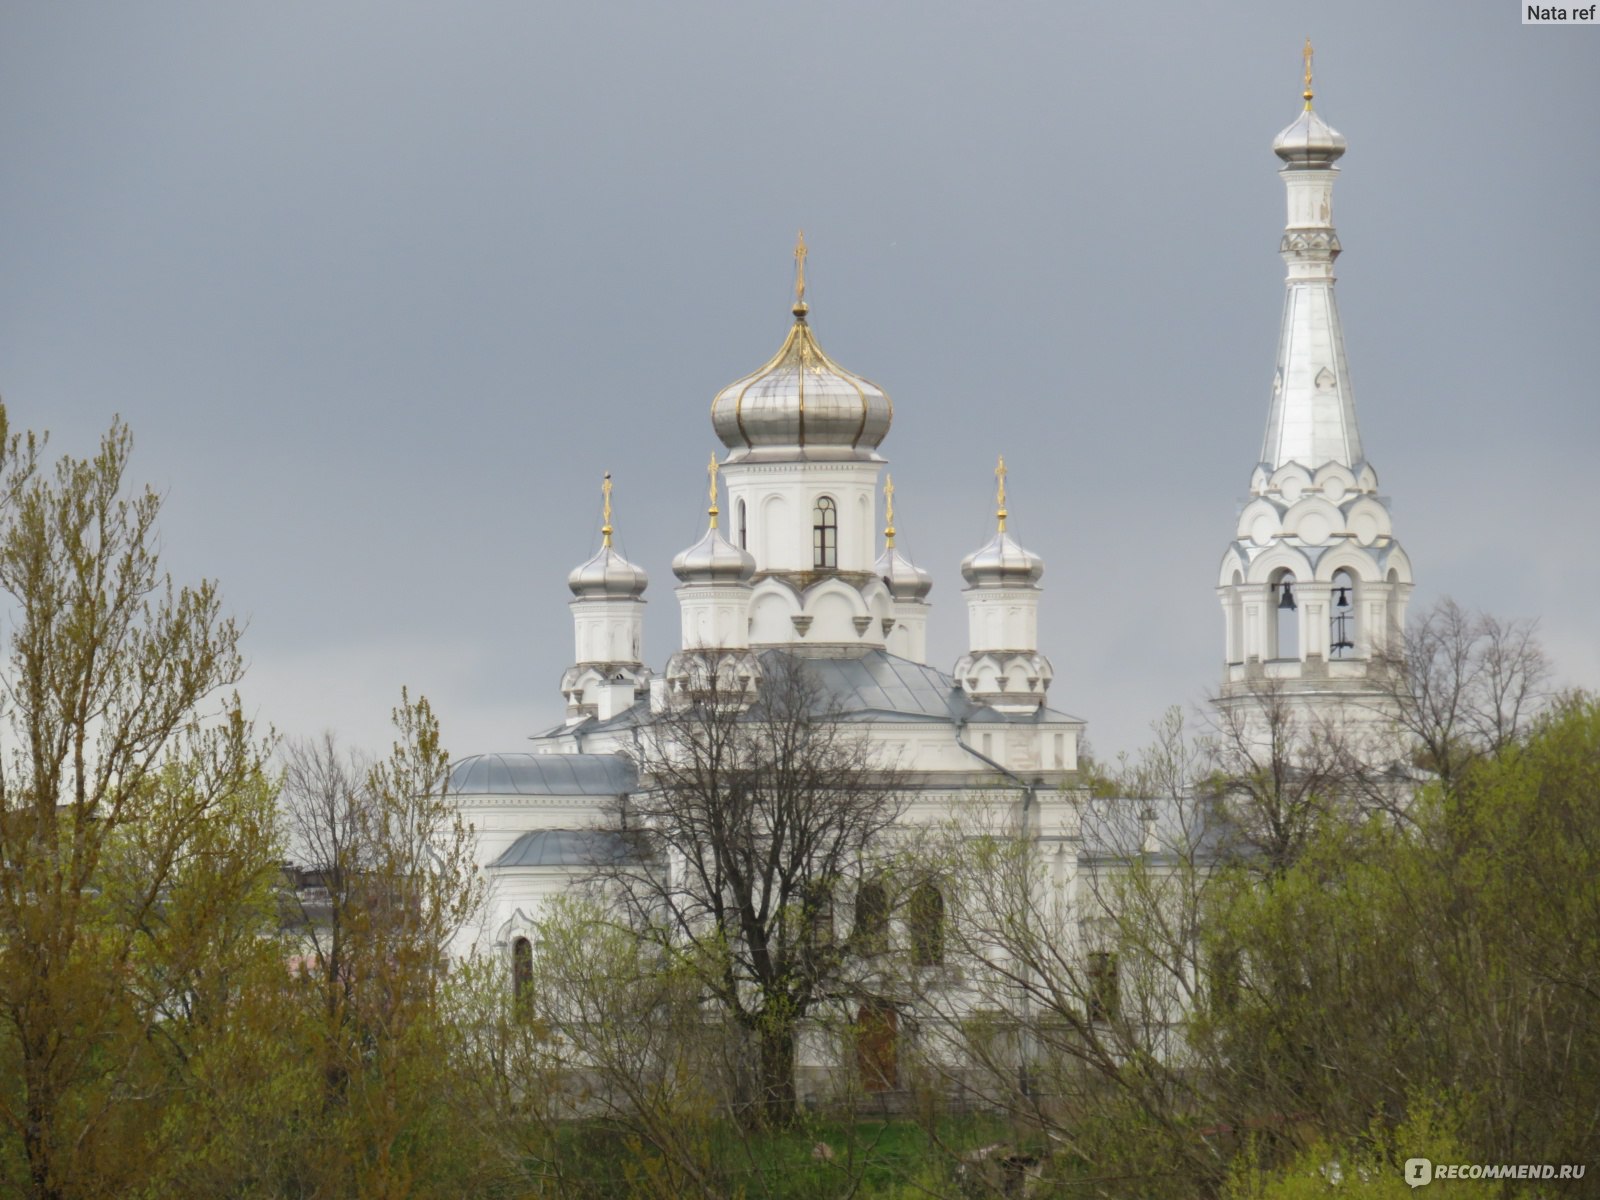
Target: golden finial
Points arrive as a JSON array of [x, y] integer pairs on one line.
[[1307, 57], [888, 512], [1000, 493], [605, 529], [800, 273], [713, 510]]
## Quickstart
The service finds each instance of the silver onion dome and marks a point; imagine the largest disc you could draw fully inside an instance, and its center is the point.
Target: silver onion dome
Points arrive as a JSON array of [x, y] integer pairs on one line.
[[906, 580], [801, 401], [1002, 562], [607, 574], [1309, 142], [714, 559]]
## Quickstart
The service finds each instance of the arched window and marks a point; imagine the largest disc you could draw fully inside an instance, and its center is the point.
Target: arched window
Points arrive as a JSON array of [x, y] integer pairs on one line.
[[925, 924], [522, 974], [1342, 616], [744, 528], [871, 933], [825, 533], [1104, 996], [1286, 606]]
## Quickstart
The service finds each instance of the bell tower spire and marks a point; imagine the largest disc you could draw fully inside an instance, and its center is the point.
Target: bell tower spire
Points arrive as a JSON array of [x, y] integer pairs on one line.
[[1314, 585]]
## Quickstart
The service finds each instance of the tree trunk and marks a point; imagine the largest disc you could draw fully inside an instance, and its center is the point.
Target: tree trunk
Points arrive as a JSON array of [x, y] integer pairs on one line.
[[777, 1074]]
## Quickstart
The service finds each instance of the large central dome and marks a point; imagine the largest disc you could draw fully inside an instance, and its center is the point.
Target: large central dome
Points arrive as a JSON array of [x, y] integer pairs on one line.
[[801, 404]]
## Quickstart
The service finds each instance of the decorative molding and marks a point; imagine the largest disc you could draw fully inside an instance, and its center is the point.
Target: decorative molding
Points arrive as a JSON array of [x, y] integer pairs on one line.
[[1324, 241]]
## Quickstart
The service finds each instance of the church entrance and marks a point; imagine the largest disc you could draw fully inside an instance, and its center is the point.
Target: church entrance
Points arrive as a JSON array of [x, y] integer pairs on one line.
[[877, 1028]]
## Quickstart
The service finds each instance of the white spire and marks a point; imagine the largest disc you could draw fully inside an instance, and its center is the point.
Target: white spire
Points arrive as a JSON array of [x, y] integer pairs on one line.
[[1312, 418]]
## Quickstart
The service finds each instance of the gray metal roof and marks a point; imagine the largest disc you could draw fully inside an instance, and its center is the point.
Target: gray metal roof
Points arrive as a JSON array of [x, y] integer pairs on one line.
[[874, 686], [571, 848], [879, 684], [543, 775]]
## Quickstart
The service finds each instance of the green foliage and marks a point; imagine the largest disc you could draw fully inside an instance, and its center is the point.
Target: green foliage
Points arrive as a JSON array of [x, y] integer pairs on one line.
[[135, 825], [1367, 1168], [1457, 954]]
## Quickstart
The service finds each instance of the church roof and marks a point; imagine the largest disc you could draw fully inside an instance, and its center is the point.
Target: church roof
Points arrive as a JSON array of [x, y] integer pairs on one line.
[[880, 683], [875, 686], [543, 775], [571, 848]]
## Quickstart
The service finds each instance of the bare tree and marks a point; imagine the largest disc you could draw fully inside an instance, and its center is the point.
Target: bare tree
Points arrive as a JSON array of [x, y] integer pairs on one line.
[[1277, 769], [389, 879], [762, 807], [1465, 686], [1079, 965]]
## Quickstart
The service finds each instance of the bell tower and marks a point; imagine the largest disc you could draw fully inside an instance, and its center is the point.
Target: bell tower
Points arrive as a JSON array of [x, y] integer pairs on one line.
[[1314, 585]]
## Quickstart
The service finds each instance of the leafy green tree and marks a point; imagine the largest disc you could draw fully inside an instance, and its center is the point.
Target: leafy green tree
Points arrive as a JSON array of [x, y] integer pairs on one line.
[[133, 821]]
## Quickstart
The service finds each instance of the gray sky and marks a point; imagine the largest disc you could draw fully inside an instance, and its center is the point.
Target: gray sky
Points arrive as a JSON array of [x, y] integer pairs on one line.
[[383, 288]]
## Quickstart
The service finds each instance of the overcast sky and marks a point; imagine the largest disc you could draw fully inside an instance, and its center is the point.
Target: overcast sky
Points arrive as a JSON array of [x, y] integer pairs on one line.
[[384, 288]]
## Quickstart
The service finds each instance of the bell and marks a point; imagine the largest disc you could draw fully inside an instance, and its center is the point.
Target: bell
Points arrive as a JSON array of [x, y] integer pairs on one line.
[[1287, 599], [1341, 597]]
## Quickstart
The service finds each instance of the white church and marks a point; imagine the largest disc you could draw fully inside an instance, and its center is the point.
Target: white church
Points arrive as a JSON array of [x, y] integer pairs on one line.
[[797, 558]]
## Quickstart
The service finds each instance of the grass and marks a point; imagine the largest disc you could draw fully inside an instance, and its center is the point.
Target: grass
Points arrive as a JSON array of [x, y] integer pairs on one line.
[[870, 1159]]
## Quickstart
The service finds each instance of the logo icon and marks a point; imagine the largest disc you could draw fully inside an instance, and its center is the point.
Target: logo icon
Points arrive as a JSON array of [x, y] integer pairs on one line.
[[1419, 1171]]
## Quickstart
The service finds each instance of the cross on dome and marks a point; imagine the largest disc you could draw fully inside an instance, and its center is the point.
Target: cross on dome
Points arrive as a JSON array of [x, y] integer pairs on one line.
[[1000, 493]]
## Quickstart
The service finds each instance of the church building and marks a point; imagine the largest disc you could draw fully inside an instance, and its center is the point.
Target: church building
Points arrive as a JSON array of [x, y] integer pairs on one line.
[[797, 559]]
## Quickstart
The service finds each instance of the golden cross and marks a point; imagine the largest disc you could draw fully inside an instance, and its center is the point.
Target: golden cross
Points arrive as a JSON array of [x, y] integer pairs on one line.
[[605, 529], [888, 511], [1307, 56], [712, 471], [800, 269], [1000, 492]]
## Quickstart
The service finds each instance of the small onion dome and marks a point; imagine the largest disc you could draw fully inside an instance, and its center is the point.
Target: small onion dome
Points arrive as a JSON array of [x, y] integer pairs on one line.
[[1309, 142], [905, 579], [802, 400], [714, 559], [607, 574], [1002, 563]]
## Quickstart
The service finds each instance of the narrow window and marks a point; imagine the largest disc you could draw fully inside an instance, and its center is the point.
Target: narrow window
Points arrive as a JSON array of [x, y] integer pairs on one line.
[[522, 974], [744, 529], [825, 534], [1103, 998], [1286, 602], [1342, 616], [926, 926], [818, 913], [872, 919]]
